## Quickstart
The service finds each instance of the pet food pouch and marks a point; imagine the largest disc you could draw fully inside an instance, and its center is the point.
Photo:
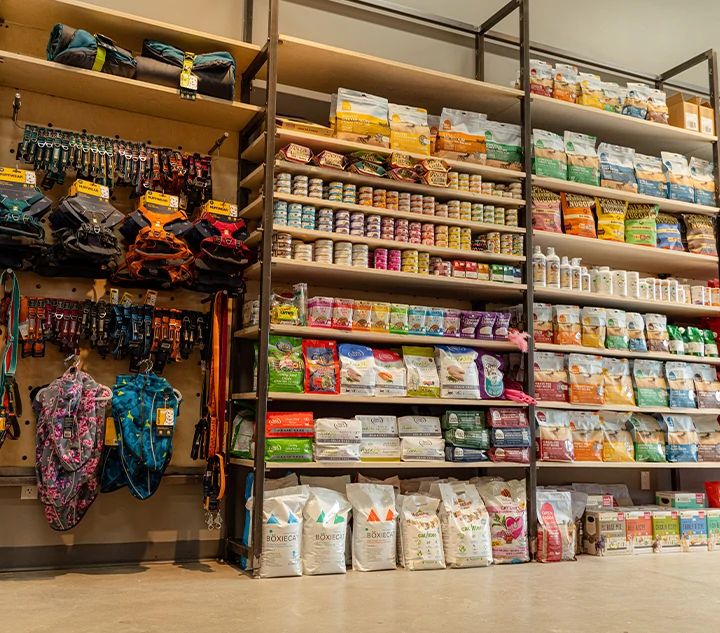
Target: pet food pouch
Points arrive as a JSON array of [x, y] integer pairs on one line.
[[286, 371], [342, 314], [617, 167], [485, 327], [417, 316], [650, 176], [641, 224], [551, 377], [636, 100], [650, 383], [586, 436], [409, 130], [556, 535], [554, 437], [243, 430], [611, 219], [657, 334], [422, 449], [681, 438], [399, 323], [546, 210], [289, 449], [506, 502], [636, 332], [613, 96], [648, 438], [357, 370], [703, 179], [504, 145], [389, 374], [680, 385], [617, 441], [380, 317], [700, 232], [565, 82], [707, 386], [594, 326], [549, 157], [473, 438], [616, 336], [361, 315], [669, 235], [362, 118], [289, 424], [676, 342], [583, 164], [617, 383], [657, 109], [435, 322], [677, 174], [577, 214], [693, 341], [282, 518], [458, 372], [591, 93], [490, 375], [419, 426], [541, 77], [320, 311], [711, 346], [422, 375], [510, 438], [500, 329], [420, 535], [543, 323], [465, 525], [469, 321], [325, 529], [566, 322], [461, 134], [374, 526], [451, 322], [322, 370], [585, 375], [708, 438]]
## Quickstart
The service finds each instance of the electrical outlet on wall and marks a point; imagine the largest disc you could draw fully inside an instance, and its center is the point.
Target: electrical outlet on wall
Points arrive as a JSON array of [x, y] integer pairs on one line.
[[28, 492], [644, 480]]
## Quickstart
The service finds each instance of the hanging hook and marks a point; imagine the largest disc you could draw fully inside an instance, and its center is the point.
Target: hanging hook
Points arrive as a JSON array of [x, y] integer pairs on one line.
[[220, 140]]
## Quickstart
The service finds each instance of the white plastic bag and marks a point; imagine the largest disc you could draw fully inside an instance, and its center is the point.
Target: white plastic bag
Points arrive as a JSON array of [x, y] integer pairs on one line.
[[421, 538], [325, 524], [374, 526]]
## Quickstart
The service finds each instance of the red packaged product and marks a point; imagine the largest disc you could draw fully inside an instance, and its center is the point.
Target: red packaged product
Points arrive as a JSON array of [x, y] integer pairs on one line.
[[506, 417], [322, 367], [515, 455], [289, 424]]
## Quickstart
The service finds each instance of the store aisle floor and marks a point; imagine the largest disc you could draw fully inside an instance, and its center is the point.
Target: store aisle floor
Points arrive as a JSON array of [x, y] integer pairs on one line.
[[681, 591]]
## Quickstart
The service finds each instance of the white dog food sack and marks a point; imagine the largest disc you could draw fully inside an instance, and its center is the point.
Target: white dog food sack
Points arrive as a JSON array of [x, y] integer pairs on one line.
[[465, 525], [325, 524], [374, 526], [421, 538], [282, 532]]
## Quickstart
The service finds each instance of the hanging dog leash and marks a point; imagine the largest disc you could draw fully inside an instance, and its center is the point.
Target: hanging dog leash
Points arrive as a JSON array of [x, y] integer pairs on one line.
[[10, 407]]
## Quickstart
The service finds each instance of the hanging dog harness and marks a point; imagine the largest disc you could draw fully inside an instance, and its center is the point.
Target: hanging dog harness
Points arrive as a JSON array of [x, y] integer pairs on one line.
[[70, 438], [22, 236], [10, 406]]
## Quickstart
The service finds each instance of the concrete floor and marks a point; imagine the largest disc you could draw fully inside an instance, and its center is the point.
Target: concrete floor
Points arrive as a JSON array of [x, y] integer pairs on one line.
[[644, 594]]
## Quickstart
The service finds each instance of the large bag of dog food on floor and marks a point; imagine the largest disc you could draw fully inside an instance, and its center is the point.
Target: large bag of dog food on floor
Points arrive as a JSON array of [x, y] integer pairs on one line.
[[506, 502], [324, 531], [282, 517], [420, 536], [556, 526], [374, 526], [465, 525]]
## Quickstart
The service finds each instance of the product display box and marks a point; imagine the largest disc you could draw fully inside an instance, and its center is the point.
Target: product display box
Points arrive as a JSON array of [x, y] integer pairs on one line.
[[672, 499], [666, 531], [639, 529], [712, 517], [604, 533], [693, 530]]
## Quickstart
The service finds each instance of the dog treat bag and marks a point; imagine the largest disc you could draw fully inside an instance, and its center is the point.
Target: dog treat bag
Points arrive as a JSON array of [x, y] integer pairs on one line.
[[636, 332], [613, 96], [583, 164], [357, 370], [458, 372], [616, 336], [543, 323], [585, 374], [708, 432], [322, 369], [707, 386], [617, 441], [669, 234], [286, 371], [711, 346], [551, 377], [554, 437], [577, 214], [506, 502], [648, 438], [611, 219], [420, 535], [409, 130], [362, 118], [700, 231], [617, 167], [504, 145], [374, 526], [677, 174], [657, 109], [657, 335], [641, 224], [541, 78], [650, 176], [566, 323], [617, 382], [549, 157], [703, 179], [650, 384], [461, 133], [681, 387], [546, 210], [591, 92], [586, 436], [490, 375], [565, 82], [636, 100], [681, 438], [594, 326], [422, 375], [556, 535]]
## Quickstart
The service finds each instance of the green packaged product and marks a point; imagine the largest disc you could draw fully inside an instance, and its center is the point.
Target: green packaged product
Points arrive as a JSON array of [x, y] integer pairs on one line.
[[648, 438], [676, 341], [711, 347], [465, 420], [616, 333], [694, 341], [478, 438], [549, 157], [641, 224], [286, 370], [288, 449], [243, 428], [399, 318], [650, 384]]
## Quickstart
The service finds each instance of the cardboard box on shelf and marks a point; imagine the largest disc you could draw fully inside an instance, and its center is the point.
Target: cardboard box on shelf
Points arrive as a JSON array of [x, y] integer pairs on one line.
[[673, 499], [706, 119], [666, 530], [604, 533], [683, 113]]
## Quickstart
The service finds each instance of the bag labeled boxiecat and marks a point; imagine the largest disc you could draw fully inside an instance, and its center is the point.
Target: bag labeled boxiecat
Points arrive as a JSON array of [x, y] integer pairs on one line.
[[374, 526], [325, 515]]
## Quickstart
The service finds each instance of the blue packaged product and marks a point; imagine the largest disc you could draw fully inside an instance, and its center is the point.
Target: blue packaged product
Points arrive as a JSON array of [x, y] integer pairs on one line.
[[511, 438], [650, 176], [681, 438], [693, 530], [460, 454], [669, 235], [677, 173], [617, 167], [636, 100], [701, 172], [681, 386]]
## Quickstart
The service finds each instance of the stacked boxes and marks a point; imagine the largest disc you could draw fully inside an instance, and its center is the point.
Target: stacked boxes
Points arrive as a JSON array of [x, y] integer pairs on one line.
[[380, 441]]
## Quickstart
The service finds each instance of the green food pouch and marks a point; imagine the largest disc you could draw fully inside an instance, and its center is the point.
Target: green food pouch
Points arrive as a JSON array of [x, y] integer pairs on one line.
[[288, 449], [711, 347], [694, 341], [286, 370], [676, 342]]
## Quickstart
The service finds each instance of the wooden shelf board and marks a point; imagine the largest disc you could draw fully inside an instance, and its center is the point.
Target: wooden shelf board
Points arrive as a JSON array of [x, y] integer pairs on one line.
[[448, 253], [433, 402], [126, 29], [631, 465], [377, 337], [37, 75], [556, 295], [255, 179], [623, 408], [372, 279], [629, 256], [323, 68], [254, 211], [435, 465], [256, 153], [674, 206], [647, 136], [618, 353]]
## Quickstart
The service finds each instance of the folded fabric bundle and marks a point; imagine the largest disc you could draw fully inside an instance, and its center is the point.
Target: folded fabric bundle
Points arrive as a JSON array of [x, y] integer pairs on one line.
[[162, 64], [76, 47]]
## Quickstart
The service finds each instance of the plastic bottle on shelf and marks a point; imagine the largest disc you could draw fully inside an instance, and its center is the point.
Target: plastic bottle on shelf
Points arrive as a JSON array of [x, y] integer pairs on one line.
[[585, 280], [604, 281], [553, 268], [565, 274], [576, 273], [539, 262]]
